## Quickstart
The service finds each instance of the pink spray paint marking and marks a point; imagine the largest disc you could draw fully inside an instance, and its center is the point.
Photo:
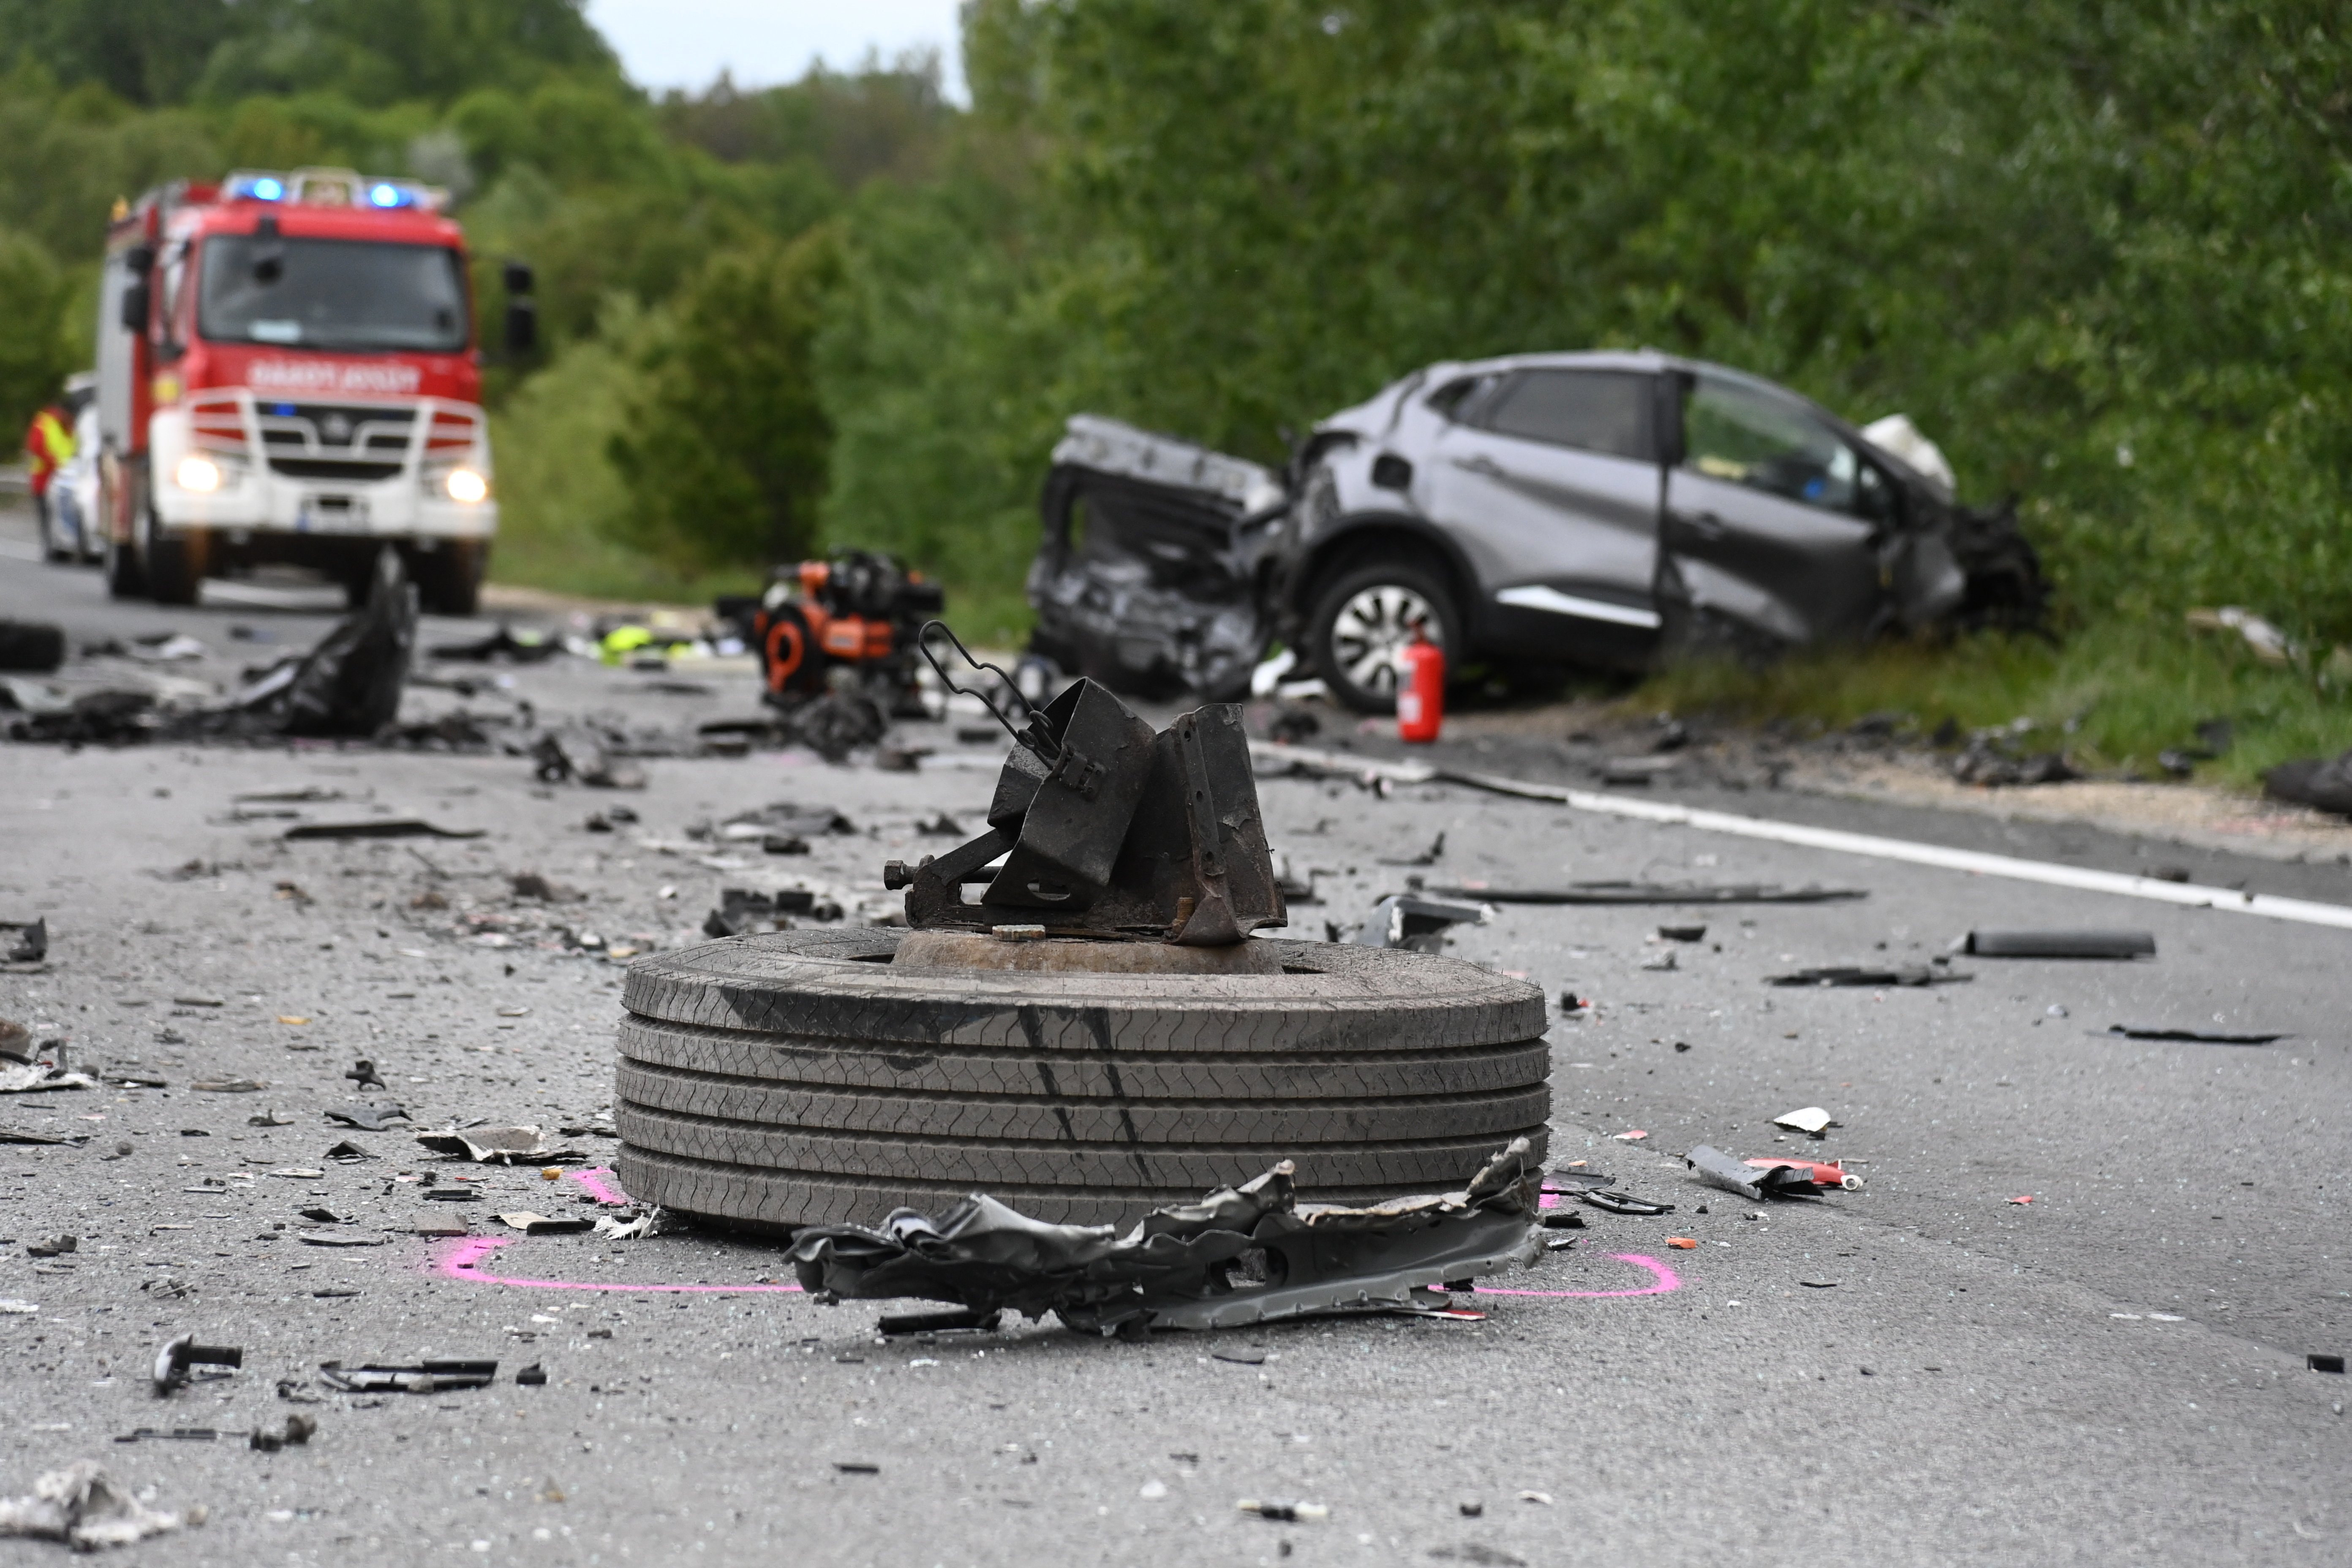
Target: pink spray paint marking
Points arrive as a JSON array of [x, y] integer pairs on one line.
[[1663, 1281], [593, 1180]]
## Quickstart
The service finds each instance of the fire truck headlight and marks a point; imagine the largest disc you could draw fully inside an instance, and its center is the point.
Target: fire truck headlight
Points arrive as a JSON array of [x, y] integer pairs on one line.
[[197, 473], [467, 487]]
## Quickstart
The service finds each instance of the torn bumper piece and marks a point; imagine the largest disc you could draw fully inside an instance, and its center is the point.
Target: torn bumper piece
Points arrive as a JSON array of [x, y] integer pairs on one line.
[[1752, 1181], [1240, 1254]]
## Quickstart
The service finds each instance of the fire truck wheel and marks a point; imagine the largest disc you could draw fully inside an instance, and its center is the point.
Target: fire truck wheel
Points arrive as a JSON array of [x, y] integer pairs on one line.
[[175, 564], [123, 578], [449, 580], [799, 1079]]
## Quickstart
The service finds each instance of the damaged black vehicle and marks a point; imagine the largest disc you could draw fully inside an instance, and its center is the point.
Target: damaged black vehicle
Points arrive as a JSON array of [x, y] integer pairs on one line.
[[1602, 510]]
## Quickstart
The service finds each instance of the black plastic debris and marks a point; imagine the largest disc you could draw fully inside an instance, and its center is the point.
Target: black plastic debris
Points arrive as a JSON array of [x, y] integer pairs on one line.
[[2192, 1037], [835, 724], [1655, 893], [2320, 1361], [351, 683], [533, 1376], [32, 943], [34, 648], [856, 1468], [1284, 1512], [431, 1376], [364, 1074], [532, 1223], [177, 1356], [349, 1154], [380, 828], [935, 1322], [1613, 1201], [742, 910], [54, 1246], [2324, 784], [502, 646], [373, 1116], [169, 1434], [1868, 974], [1240, 1358], [298, 1430], [1242, 1254], [1407, 920], [321, 1216], [1682, 933], [578, 756], [2058, 943]]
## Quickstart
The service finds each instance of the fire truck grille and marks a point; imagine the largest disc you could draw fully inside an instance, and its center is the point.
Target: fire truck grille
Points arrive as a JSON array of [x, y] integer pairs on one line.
[[332, 468]]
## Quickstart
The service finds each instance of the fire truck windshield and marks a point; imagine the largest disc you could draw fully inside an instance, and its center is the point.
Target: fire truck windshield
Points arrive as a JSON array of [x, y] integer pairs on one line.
[[352, 295]]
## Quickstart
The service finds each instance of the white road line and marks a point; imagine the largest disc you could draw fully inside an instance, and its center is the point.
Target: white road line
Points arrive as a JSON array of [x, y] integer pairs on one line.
[[1272, 759]]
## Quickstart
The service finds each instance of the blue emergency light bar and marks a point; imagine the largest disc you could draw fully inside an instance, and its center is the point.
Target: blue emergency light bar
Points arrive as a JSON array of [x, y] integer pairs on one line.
[[332, 188]]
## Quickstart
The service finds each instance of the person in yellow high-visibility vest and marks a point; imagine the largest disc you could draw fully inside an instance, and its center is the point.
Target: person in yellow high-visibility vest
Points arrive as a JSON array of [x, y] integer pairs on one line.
[[49, 443]]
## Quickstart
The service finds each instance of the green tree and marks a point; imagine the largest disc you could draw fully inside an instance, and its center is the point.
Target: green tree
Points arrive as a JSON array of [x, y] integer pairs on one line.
[[35, 355], [724, 450]]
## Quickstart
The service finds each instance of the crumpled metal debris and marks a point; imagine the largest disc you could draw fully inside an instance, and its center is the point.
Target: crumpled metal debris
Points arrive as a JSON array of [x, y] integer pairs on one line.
[[372, 1116], [85, 1506], [499, 1146], [1419, 924], [578, 755], [1240, 1254], [178, 1355], [380, 828], [32, 945]]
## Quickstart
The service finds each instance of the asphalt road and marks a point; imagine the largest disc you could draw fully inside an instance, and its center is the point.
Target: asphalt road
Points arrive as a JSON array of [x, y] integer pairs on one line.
[[2113, 1373]]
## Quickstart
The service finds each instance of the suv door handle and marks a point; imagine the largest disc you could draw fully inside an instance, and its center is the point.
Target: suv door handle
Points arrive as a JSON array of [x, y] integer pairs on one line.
[[1703, 525], [1485, 467]]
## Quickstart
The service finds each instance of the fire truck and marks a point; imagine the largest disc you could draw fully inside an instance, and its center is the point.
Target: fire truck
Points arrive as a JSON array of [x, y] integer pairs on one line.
[[288, 372]]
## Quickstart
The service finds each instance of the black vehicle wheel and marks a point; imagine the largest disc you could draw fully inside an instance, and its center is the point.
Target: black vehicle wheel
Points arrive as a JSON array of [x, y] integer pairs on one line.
[[123, 578], [1365, 618], [449, 579], [173, 562], [800, 1078]]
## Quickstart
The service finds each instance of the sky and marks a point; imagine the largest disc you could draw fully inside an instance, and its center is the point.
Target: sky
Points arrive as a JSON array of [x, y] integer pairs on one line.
[[686, 43]]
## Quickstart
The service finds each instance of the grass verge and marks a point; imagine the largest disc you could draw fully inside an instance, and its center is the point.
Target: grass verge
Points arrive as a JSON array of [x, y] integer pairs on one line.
[[2112, 695]]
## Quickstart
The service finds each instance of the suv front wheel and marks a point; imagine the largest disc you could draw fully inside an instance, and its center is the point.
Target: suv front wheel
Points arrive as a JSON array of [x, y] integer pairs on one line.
[[1365, 618]]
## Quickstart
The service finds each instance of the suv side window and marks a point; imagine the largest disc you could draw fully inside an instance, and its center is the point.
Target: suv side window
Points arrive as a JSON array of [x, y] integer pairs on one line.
[[1750, 436], [1607, 411]]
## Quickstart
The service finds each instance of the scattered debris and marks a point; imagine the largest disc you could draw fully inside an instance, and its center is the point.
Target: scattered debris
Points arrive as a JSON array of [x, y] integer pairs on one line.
[[1654, 893], [348, 1153], [1987, 760], [1662, 962], [430, 1376], [172, 1361], [576, 756], [1683, 1243], [349, 684], [2058, 943], [1869, 975], [34, 648], [628, 1227], [531, 1376], [298, 1430], [742, 912], [530, 647], [54, 1246], [2023, 1199], [1825, 1173], [2192, 1037], [228, 1085], [1682, 933], [1811, 1120], [363, 1074], [337, 1238], [1613, 1201], [2263, 639], [1632, 1135], [86, 1509], [16, 1041], [1418, 924], [499, 1146], [2320, 1361], [380, 828], [939, 1322], [13, 1307], [1285, 1512], [1240, 1254]]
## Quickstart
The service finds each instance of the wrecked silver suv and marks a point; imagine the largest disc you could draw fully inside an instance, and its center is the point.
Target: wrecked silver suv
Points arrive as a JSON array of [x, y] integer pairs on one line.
[[1616, 510], [1611, 510]]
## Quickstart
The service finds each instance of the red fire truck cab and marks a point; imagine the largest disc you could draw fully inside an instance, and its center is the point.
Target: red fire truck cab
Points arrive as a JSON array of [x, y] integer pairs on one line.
[[288, 372]]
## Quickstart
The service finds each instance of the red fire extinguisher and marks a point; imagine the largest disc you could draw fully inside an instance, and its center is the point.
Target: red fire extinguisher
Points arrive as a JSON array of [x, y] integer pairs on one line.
[[1420, 687]]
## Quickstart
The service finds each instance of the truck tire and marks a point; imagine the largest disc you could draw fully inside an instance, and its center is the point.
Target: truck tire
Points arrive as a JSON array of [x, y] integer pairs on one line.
[[449, 579], [1358, 623], [797, 1078], [174, 564]]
